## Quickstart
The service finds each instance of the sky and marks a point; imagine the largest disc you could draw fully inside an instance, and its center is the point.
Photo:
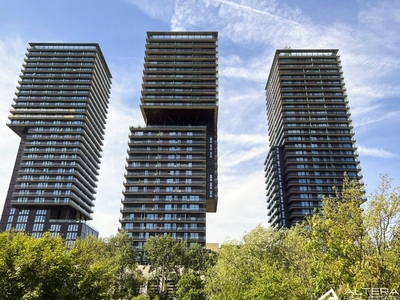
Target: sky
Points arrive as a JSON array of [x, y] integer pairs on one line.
[[366, 32]]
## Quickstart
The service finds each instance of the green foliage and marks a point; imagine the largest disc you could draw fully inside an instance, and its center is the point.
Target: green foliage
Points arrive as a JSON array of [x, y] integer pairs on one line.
[[247, 269], [33, 268], [129, 279], [140, 297], [43, 268], [346, 245], [190, 287], [164, 254], [382, 218], [172, 262], [336, 239]]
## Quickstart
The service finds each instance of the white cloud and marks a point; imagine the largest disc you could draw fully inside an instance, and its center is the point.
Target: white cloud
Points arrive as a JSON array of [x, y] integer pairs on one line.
[[229, 161], [370, 119], [156, 9], [123, 112], [249, 33], [375, 152], [380, 22], [242, 139], [11, 55], [241, 206]]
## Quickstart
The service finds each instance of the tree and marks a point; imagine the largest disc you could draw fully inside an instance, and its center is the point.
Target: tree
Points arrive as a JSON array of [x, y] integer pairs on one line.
[[44, 268], [345, 245], [294, 258], [190, 287], [128, 278], [251, 268], [107, 268], [336, 239], [95, 269], [34, 268], [382, 216], [165, 256], [196, 262], [171, 261]]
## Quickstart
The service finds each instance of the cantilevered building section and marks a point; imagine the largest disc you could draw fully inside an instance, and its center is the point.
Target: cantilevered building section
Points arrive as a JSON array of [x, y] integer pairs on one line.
[[171, 171], [59, 112], [311, 135]]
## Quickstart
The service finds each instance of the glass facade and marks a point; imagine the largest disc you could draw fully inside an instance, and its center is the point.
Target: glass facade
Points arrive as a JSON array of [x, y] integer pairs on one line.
[[171, 171], [312, 143], [59, 112]]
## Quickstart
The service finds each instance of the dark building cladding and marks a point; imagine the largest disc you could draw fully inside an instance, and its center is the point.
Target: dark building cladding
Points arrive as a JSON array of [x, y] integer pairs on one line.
[[311, 135], [171, 171], [59, 112]]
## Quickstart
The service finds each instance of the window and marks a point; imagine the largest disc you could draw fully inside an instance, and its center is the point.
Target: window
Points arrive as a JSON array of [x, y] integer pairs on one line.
[[305, 196], [194, 207], [39, 218], [55, 227], [305, 188], [71, 236], [20, 226], [22, 219], [301, 152], [303, 173], [73, 227], [194, 235], [38, 227], [304, 180]]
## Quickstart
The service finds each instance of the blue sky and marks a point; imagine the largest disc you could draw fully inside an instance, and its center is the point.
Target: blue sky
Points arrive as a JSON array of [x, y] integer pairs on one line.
[[366, 32]]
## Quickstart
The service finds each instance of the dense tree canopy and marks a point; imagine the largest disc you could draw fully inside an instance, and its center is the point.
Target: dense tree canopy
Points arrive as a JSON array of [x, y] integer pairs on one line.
[[44, 268], [173, 262], [346, 245]]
